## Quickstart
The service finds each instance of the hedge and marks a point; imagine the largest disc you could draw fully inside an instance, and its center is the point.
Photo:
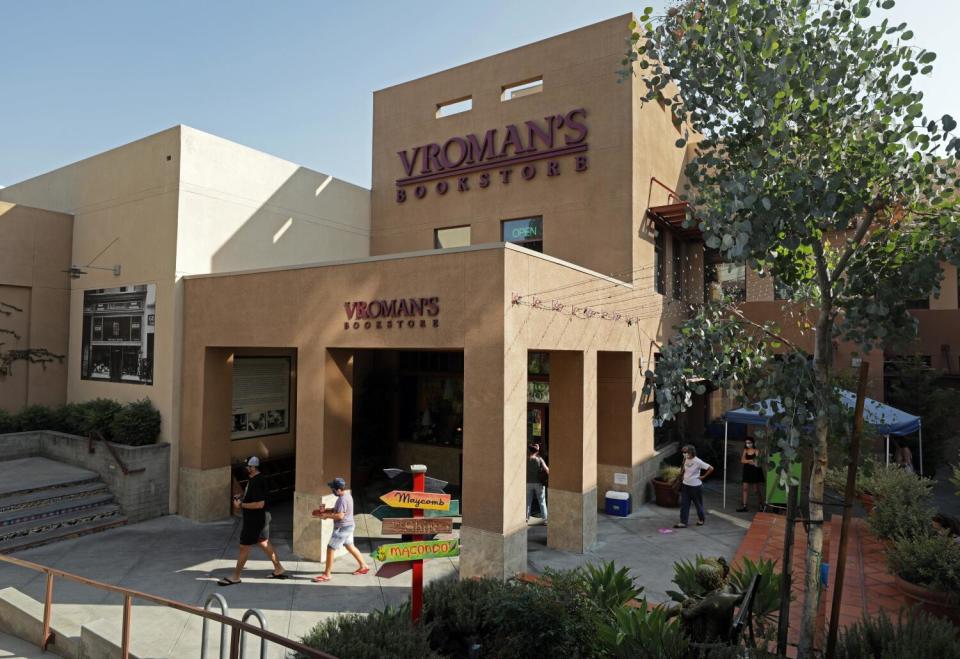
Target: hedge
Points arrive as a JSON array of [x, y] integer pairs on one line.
[[136, 424]]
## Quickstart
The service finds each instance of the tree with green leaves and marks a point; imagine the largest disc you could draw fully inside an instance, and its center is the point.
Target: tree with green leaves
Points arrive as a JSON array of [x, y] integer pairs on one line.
[[813, 162]]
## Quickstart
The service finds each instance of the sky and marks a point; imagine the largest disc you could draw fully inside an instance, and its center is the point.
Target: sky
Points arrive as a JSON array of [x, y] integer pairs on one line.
[[293, 78]]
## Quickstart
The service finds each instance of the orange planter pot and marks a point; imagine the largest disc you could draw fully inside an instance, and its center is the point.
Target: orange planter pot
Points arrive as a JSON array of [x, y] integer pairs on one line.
[[944, 605], [664, 494]]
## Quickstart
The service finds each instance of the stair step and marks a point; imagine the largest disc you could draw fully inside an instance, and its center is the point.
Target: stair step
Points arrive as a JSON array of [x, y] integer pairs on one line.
[[61, 533], [27, 528], [53, 509], [44, 496], [51, 487]]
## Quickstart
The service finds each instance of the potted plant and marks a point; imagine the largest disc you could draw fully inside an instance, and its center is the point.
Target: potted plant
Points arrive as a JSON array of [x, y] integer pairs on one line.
[[927, 571], [865, 486], [665, 492]]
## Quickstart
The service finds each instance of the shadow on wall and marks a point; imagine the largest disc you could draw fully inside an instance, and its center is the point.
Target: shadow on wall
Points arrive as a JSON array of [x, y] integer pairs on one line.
[[310, 218]]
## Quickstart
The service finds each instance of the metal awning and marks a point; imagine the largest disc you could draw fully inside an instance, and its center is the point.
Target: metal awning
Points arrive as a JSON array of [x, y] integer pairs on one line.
[[671, 217]]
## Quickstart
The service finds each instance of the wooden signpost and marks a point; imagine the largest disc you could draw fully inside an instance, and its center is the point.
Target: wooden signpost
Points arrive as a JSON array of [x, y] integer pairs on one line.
[[409, 506], [417, 525]]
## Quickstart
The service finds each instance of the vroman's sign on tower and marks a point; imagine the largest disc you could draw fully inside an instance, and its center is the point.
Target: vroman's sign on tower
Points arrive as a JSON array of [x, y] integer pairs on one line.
[[515, 147]]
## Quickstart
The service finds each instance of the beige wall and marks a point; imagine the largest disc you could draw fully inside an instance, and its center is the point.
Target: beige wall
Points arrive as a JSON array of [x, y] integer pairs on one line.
[[34, 252], [587, 215], [302, 309], [184, 202]]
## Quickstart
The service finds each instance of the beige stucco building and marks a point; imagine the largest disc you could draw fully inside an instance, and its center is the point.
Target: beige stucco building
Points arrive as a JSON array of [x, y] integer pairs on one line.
[[508, 279]]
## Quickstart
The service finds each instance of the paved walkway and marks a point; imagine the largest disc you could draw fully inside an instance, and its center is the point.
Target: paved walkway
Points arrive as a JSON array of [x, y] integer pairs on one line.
[[868, 587], [176, 558]]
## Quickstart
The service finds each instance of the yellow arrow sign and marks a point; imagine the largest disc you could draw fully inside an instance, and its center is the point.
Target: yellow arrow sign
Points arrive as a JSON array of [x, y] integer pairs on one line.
[[418, 500]]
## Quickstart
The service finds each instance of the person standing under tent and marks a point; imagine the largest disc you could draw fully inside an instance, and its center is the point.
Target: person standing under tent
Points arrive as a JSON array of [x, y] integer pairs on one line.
[[752, 473]]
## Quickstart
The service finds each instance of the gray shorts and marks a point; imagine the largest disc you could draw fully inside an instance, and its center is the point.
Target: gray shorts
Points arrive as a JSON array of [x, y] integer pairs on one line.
[[342, 535]]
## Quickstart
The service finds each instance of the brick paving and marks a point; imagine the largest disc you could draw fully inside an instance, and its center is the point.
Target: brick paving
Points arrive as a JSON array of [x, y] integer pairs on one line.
[[868, 587]]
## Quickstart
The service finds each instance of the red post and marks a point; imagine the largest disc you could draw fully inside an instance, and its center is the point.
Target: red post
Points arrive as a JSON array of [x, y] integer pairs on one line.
[[416, 599]]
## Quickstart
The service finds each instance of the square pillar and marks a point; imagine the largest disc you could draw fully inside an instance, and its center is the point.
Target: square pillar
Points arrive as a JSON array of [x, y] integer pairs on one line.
[[493, 535], [204, 484], [572, 496], [324, 442], [615, 401]]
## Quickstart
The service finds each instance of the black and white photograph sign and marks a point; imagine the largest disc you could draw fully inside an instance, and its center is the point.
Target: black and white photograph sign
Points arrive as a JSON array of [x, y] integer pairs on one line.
[[118, 333], [261, 396]]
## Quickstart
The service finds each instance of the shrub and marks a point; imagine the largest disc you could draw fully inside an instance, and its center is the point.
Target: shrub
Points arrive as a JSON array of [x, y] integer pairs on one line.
[[36, 417], [137, 424], [766, 601], [903, 505], [387, 633], [8, 422], [931, 560], [608, 587], [644, 633], [869, 470], [98, 415], [69, 418], [668, 473], [512, 619], [918, 635]]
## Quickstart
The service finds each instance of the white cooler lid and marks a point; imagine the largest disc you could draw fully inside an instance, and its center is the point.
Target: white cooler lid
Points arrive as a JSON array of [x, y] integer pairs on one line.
[[623, 496]]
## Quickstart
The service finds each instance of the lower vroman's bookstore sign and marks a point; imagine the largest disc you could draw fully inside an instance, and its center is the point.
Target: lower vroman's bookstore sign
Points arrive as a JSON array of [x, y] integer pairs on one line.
[[395, 314]]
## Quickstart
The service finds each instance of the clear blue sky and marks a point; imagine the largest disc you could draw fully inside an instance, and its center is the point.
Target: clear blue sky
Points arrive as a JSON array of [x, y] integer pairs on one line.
[[290, 77]]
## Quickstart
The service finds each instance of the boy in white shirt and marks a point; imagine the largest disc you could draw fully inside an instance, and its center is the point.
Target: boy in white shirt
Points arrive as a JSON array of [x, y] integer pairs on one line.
[[694, 470]]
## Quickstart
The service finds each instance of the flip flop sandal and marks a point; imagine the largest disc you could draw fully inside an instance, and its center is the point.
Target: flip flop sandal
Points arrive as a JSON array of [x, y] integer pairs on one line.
[[320, 578], [226, 581], [363, 570], [282, 575]]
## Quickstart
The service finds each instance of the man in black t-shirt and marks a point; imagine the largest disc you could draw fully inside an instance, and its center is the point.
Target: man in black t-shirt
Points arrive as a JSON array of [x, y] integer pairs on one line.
[[256, 524]]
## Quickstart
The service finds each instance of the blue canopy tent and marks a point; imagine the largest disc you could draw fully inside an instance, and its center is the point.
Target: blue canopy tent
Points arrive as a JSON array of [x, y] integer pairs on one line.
[[887, 420]]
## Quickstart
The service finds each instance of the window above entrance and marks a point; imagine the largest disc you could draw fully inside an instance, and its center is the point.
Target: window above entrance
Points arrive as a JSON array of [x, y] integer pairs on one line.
[[523, 88], [451, 237], [527, 232]]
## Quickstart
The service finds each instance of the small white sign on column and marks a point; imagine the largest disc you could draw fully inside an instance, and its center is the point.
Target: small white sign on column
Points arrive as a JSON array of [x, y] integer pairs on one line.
[[620, 479]]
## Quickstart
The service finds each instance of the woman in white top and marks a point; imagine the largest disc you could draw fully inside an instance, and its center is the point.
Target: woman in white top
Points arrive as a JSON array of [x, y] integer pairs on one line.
[[694, 469]]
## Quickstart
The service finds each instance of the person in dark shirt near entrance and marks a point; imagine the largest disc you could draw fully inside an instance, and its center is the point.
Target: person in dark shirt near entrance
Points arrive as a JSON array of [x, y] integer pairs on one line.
[[256, 524]]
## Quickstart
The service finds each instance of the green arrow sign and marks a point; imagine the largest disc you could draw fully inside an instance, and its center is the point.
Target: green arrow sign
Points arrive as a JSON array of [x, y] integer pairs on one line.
[[420, 549]]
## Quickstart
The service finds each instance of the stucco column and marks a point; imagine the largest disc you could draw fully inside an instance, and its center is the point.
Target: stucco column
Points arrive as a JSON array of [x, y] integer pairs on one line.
[[615, 402], [324, 442], [493, 536], [572, 497], [204, 487]]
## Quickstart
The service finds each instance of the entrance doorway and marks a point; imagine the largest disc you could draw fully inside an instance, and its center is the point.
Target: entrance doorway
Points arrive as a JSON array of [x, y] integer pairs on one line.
[[407, 409]]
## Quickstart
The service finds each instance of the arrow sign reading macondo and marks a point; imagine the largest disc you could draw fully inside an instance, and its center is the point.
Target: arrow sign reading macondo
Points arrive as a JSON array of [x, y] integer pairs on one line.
[[416, 500], [420, 549]]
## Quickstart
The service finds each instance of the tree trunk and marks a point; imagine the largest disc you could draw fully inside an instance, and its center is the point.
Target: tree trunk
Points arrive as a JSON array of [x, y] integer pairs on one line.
[[811, 595]]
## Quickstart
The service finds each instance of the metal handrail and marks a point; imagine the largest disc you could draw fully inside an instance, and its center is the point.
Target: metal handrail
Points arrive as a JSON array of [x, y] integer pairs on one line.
[[222, 602], [113, 452], [258, 614], [237, 626]]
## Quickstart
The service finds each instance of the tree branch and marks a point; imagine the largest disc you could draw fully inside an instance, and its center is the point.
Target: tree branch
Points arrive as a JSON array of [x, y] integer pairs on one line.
[[852, 245], [766, 330]]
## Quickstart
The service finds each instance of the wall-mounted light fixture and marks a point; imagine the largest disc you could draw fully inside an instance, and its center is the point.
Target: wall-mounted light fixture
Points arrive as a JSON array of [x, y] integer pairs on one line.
[[76, 271]]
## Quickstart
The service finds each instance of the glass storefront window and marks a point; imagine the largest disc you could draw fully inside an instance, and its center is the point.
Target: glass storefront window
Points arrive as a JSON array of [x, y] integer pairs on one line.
[[100, 362], [526, 232]]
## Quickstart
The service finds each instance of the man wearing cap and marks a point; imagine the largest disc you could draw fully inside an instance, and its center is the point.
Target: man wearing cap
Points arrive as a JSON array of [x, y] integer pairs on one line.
[[342, 516], [256, 527]]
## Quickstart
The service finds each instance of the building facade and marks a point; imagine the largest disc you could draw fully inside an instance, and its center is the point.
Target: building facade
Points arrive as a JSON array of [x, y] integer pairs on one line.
[[509, 278]]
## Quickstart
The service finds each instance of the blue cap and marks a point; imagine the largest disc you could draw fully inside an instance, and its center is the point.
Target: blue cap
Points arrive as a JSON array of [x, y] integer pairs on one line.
[[338, 484], [253, 462]]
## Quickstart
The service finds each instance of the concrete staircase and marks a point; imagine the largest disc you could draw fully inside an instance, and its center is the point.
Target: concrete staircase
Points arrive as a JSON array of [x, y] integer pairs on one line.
[[42, 501]]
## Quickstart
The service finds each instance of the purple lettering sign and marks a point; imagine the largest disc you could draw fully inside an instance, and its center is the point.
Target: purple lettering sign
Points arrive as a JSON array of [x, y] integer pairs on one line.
[[515, 144]]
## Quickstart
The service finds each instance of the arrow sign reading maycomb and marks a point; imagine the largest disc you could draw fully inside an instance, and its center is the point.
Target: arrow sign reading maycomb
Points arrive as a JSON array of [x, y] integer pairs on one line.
[[416, 500], [382, 512]]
